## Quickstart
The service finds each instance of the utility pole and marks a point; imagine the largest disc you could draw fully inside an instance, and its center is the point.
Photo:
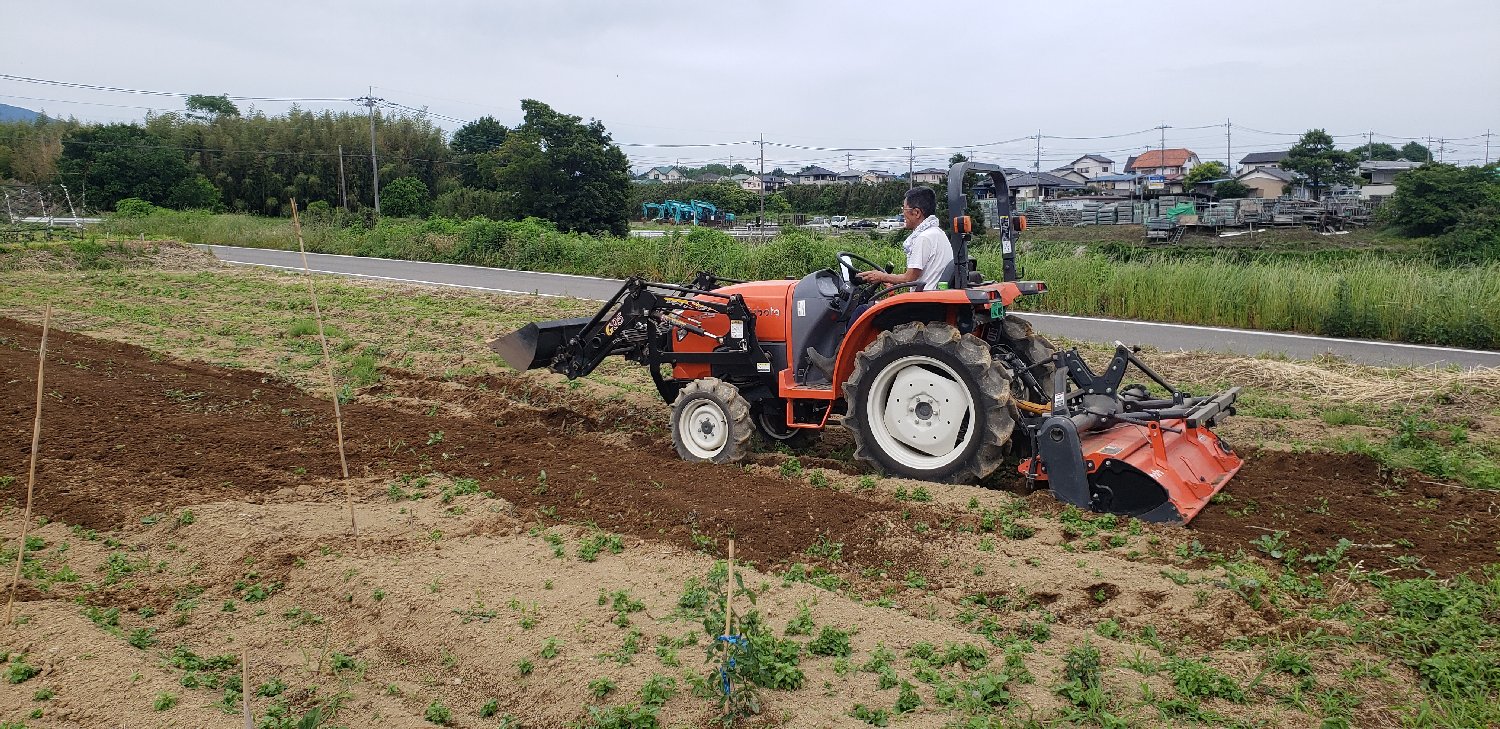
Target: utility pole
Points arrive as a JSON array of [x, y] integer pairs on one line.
[[1369, 146], [911, 164], [343, 191], [1228, 154], [1037, 166], [1487, 148], [848, 161], [1162, 163], [1441, 144], [1429, 149], [762, 218], [369, 101]]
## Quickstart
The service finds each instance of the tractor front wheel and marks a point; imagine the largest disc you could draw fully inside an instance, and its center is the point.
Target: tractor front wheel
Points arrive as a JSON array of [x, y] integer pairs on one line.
[[711, 422], [927, 402]]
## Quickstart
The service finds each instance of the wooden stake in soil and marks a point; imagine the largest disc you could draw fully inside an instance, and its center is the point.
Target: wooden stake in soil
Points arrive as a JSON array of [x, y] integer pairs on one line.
[[245, 687], [728, 615], [338, 416], [36, 440]]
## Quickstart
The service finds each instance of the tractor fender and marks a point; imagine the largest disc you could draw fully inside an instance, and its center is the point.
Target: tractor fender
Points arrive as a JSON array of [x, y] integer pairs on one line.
[[919, 306]]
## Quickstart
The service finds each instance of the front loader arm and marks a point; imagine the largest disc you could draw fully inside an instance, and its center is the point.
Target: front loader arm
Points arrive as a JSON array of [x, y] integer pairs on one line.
[[636, 323]]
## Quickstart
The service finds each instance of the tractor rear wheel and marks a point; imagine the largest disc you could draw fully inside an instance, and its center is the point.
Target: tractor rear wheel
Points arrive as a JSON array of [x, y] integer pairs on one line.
[[711, 422], [927, 402], [1036, 352]]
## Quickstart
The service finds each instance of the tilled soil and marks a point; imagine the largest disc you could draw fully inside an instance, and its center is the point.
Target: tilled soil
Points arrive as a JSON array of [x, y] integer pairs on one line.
[[128, 433]]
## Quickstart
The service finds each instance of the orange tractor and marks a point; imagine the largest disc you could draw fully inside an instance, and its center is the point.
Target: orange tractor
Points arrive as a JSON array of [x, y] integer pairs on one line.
[[936, 385]]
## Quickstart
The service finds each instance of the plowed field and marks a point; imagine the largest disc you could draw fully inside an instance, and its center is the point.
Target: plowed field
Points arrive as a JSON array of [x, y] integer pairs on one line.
[[527, 545]]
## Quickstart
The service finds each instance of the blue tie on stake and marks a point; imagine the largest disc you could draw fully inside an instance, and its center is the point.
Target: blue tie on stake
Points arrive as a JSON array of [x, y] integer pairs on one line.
[[734, 642]]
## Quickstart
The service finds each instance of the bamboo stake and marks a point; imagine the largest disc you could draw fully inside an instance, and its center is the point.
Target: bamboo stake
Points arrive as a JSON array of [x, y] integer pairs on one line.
[[36, 440], [245, 686], [728, 615], [338, 416]]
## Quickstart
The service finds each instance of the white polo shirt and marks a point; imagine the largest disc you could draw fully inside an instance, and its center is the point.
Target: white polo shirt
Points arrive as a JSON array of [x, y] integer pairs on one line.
[[928, 248]]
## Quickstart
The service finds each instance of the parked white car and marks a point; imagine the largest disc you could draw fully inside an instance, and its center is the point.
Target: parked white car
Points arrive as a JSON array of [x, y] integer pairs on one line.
[[891, 223], [818, 223], [839, 221]]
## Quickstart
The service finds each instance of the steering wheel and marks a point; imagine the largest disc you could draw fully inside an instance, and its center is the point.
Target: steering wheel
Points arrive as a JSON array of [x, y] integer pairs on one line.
[[850, 272], [855, 291]]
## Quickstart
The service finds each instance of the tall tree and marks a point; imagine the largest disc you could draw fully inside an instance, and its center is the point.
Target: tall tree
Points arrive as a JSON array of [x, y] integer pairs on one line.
[[481, 135], [556, 167], [1376, 151], [1210, 170], [1323, 164], [1413, 152], [116, 161], [209, 108]]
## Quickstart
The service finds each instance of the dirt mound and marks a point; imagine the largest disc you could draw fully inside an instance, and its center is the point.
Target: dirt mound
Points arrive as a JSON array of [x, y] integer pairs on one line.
[[1401, 522]]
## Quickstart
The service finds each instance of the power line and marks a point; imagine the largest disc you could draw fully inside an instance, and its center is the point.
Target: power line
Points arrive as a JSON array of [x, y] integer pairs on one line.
[[120, 90]]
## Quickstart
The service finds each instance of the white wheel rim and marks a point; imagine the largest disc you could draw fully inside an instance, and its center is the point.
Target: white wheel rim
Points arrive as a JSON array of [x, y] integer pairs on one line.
[[704, 429], [921, 413]]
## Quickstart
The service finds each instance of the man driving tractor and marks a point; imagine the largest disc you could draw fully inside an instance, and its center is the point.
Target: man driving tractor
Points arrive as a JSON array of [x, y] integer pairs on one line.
[[929, 255]]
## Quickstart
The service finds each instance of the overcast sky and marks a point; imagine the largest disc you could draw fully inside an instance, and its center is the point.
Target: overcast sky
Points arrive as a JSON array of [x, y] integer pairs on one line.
[[945, 76]]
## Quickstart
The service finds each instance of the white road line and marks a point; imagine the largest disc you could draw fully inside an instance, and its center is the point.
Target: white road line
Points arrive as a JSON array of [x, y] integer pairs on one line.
[[405, 280], [1255, 333]]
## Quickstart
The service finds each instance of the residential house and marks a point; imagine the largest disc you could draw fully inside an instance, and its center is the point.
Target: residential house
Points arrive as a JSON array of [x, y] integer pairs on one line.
[[1121, 182], [1068, 173], [815, 175], [1380, 176], [1169, 163], [1172, 164], [1273, 182], [984, 188], [875, 177], [710, 177], [1092, 165], [1261, 159], [769, 183], [1039, 186], [930, 176], [665, 174], [851, 177]]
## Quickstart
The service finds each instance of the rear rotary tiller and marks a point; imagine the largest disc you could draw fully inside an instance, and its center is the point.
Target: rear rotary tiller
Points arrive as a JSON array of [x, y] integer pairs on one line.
[[1120, 450]]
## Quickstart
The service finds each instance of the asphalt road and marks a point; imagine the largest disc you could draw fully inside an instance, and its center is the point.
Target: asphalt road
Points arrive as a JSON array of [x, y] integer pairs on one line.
[[1161, 336]]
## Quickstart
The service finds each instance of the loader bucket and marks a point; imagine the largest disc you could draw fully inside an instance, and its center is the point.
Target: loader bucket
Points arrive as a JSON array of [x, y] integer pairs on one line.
[[536, 344]]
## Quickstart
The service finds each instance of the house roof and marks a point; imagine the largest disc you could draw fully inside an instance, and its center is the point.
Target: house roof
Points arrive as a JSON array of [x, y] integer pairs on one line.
[[1380, 164], [1262, 158], [1047, 179], [815, 170], [739, 178], [851, 173], [931, 170], [710, 177], [662, 170], [1274, 172], [1162, 158], [1094, 157]]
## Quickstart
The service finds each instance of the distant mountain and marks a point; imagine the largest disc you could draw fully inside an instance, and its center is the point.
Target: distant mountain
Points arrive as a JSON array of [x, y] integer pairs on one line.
[[10, 113]]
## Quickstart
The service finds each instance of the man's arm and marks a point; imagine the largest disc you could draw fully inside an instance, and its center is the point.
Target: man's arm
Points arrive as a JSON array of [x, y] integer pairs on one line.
[[911, 274]]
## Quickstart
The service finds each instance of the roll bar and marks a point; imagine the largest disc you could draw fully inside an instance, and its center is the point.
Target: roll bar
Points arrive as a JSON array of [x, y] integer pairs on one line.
[[957, 205]]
